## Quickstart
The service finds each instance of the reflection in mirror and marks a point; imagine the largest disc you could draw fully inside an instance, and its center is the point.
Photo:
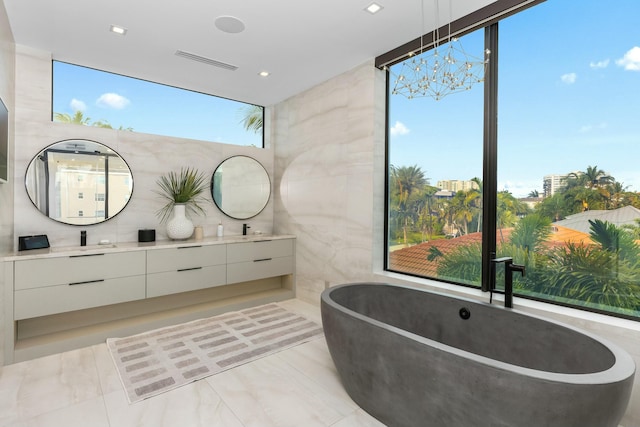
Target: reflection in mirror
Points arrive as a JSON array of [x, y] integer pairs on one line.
[[240, 187], [79, 182]]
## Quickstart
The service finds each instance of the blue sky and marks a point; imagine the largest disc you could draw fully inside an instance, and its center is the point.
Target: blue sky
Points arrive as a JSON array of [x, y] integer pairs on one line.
[[569, 97], [149, 107]]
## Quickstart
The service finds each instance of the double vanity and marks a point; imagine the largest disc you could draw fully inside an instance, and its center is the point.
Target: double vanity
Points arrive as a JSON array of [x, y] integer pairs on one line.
[[59, 299]]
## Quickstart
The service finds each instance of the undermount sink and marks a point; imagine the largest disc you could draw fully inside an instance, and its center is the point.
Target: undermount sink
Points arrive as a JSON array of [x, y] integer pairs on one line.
[[84, 248]]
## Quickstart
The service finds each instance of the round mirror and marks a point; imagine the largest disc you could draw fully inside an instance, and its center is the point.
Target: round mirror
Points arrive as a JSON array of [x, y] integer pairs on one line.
[[79, 182], [240, 187]]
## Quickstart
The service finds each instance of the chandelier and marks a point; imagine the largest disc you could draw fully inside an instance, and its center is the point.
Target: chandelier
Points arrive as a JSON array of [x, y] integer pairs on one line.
[[447, 68]]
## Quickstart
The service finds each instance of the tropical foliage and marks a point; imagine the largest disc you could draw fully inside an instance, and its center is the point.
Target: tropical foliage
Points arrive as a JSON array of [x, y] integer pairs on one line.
[[78, 118], [602, 274], [184, 187], [253, 118]]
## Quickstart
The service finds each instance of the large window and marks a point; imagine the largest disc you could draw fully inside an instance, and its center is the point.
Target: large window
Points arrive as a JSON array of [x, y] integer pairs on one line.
[[90, 97], [566, 185]]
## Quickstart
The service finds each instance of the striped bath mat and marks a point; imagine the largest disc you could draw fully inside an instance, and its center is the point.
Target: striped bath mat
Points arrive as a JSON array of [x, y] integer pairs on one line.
[[163, 359]]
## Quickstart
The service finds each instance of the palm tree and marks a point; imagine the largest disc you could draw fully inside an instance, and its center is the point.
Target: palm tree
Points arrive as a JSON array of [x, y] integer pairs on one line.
[[403, 182], [463, 264], [634, 229], [614, 239], [554, 207], [478, 201], [464, 207], [592, 177], [253, 118], [605, 273], [616, 194], [530, 232], [77, 119], [533, 194]]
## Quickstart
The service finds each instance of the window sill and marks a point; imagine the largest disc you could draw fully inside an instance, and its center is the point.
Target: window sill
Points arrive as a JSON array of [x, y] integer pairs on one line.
[[574, 316]]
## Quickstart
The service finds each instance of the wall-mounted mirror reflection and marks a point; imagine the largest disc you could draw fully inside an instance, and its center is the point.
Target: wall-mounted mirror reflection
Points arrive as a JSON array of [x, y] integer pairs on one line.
[[240, 187], [79, 182]]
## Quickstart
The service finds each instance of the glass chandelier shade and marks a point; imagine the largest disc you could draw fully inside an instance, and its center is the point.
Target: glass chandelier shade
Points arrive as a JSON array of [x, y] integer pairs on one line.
[[445, 69]]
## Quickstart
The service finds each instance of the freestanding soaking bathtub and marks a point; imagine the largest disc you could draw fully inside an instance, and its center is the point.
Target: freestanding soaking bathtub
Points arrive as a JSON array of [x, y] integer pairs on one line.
[[413, 358]]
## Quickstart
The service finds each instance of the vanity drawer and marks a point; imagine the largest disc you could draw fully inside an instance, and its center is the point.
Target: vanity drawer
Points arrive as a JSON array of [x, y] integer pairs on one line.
[[259, 269], [189, 279], [36, 273], [184, 257], [260, 249], [36, 302]]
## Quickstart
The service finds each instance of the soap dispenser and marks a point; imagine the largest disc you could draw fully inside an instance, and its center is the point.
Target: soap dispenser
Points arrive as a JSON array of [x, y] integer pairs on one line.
[[220, 229]]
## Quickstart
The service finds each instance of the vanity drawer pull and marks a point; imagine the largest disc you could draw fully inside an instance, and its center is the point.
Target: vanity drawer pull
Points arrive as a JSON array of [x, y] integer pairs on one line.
[[261, 241], [189, 269], [189, 247], [84, 255], [86, 282], [263, 259]]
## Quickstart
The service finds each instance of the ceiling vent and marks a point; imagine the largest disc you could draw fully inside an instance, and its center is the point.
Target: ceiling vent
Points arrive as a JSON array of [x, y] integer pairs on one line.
[[204, 60]]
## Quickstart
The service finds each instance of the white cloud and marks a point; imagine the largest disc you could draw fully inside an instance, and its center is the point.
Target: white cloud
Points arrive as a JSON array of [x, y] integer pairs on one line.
[[589, 128], [631, 60], [569, 78], [399, 129], [600, 64], [112, 100], [77, 105]]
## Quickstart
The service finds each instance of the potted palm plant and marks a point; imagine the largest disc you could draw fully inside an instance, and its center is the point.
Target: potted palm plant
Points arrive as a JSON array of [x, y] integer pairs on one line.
[[183, 193]]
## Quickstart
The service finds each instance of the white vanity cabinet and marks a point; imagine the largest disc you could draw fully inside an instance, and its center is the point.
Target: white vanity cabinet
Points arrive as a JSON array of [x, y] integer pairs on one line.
[[185, 268], [58, 285], [65, 298], [260, 258]]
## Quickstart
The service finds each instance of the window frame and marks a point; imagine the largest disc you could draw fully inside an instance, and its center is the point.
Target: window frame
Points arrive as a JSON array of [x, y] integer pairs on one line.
[[246, 104], [465, 25]]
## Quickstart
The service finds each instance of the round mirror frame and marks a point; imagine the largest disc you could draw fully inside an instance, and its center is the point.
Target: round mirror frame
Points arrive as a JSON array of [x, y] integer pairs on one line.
[[252, 189], [66, 151]]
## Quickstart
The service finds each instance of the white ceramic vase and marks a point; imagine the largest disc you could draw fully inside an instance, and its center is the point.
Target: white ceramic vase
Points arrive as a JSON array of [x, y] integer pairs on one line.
[[179, 227]]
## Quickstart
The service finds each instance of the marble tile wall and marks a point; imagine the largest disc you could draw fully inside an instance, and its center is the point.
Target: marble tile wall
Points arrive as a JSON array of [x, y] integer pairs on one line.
[[148, 156], [7, 79], [324, 168]]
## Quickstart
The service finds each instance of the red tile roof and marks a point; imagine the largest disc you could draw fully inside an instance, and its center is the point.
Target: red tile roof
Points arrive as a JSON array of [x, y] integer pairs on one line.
[[413, 259]]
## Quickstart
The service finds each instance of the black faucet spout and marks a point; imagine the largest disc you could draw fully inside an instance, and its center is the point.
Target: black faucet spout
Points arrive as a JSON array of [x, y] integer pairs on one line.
[[509, 268]]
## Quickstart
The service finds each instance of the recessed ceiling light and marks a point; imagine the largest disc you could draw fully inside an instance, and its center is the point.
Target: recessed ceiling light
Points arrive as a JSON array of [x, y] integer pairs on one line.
[[373, 8], [118, 30], [264, 73]]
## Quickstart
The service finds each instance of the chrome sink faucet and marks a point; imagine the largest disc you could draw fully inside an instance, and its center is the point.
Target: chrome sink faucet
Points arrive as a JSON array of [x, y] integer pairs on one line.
[[509, 268]]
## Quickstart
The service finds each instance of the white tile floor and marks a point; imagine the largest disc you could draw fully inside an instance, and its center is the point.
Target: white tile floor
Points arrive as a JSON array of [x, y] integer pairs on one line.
[[298, 387]]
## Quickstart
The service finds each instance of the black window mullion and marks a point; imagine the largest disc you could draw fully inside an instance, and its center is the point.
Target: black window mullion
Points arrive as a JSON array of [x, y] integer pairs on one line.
[[490, 157]]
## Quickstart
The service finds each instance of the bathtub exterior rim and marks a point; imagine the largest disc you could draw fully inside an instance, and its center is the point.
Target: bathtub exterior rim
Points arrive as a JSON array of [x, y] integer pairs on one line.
[[622, 368]]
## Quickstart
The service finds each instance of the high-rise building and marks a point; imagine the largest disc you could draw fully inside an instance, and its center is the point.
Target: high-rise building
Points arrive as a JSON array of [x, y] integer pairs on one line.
[[457, 185], [552, 183]]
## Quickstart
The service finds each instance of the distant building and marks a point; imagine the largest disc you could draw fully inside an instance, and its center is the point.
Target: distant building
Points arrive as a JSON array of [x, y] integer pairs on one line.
[[457, 185], [627, 215], [444, 194], [552, 183], [531, 201]]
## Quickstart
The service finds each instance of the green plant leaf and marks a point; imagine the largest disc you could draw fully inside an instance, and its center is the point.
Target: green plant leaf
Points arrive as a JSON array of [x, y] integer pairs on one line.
[[184, 187]]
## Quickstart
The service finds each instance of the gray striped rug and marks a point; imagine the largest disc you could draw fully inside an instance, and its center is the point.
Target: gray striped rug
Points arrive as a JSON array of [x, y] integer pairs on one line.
[[163, 359]]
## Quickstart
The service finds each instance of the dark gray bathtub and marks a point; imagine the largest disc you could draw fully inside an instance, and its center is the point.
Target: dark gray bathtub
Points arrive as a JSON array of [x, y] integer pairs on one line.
[[412, 358]]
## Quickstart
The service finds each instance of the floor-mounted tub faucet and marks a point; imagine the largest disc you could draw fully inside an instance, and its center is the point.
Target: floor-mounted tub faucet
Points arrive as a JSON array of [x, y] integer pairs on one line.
[[509, 268]]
